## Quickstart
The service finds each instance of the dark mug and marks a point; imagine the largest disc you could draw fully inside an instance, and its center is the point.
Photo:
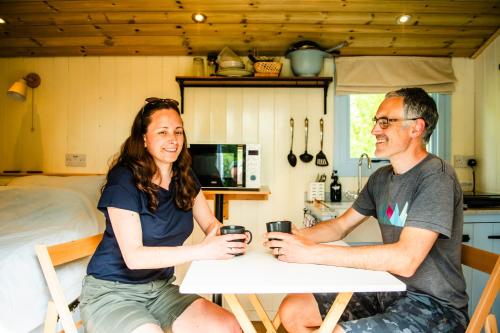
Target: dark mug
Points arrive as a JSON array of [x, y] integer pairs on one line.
[[279, 226], [236, 229]]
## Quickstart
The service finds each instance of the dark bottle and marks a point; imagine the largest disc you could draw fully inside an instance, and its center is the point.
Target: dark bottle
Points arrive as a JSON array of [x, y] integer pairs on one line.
[[335, 188]]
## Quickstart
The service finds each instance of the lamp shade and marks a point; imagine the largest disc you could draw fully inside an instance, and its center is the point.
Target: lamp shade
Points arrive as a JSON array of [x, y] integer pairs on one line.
[[18, 90]]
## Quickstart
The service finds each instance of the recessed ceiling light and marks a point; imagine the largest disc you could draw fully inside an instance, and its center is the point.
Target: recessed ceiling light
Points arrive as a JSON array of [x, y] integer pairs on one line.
[[2, 21], [403, 19], [199, 17]]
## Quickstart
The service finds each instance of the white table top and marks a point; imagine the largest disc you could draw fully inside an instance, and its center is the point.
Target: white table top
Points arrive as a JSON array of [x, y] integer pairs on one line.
[[259, 272]]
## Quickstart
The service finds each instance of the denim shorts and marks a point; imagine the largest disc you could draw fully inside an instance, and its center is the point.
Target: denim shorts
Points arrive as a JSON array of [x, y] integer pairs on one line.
[[393, 312], [111, 306]]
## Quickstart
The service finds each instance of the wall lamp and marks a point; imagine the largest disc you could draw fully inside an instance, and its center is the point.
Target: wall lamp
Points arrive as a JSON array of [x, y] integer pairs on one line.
[[18, 91]]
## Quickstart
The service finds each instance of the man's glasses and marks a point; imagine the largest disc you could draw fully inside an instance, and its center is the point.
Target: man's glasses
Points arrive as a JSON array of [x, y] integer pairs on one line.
[[384, 122]]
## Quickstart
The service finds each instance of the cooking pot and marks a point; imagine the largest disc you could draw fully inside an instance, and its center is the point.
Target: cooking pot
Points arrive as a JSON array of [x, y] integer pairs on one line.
[[307, 62], [306, 57]]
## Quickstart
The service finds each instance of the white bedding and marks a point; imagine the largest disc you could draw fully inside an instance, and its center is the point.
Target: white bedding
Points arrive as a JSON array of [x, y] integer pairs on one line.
[[31, 215]]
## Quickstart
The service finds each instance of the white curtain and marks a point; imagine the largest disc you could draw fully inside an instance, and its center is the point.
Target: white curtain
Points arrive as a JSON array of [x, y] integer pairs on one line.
[[384, 74]]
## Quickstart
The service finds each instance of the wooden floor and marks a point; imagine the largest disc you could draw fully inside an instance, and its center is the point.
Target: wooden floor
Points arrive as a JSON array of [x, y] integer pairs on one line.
[[259, 327]]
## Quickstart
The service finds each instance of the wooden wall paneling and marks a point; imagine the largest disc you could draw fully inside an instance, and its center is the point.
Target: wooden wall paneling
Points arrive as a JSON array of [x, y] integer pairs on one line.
[[250, 120], [75, 107], [4, 86], [282, 172], [60, 104], [217, 109], [266, 138], [491, 108], [462, 117], [170, 88], [234, 115], [44, 95], [91, 93], [201, 125], [108, 106], [18, 111], [127, 104]]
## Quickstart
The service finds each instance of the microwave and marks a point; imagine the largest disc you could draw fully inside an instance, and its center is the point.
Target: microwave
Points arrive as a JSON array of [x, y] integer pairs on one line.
[[227, 166]]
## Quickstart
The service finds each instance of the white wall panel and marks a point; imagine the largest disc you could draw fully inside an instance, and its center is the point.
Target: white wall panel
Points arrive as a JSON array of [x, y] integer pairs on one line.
[[487, 106]]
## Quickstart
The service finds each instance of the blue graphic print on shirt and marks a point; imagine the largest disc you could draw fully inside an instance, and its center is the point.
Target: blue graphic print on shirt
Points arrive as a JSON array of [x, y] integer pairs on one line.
[[392, 216]]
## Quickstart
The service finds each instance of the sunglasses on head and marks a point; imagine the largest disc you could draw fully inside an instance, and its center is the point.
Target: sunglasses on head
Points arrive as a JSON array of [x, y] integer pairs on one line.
[[154, 100]]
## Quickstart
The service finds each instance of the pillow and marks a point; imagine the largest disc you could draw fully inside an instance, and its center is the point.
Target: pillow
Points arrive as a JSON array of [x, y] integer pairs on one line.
[[89, 186]]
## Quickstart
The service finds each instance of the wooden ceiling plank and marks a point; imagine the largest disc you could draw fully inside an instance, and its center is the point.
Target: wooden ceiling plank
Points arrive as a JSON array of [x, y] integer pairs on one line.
[[394, 6], [486, 44], [235, 30], [172, 50], [250, 18]]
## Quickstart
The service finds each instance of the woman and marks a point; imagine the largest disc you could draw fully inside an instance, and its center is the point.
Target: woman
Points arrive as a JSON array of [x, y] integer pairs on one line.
[[149, 201]]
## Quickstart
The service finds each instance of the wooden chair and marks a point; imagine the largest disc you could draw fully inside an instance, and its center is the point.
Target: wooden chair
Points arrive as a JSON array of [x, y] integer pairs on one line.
[[51, 257], [489, 263]]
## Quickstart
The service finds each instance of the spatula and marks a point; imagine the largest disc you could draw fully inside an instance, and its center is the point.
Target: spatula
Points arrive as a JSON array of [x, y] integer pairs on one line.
[[321, 157], [306, 157]]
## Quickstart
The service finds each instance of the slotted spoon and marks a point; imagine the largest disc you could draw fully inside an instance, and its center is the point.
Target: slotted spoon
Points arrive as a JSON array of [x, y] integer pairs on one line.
[[321, 157], [306, 157]]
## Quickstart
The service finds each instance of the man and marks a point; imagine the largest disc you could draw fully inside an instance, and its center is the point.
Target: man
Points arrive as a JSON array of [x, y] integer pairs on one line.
[[417, 200]]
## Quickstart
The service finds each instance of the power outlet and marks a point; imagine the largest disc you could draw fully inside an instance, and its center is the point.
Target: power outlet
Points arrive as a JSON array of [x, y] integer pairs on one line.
[[460, 161], [76, 160]]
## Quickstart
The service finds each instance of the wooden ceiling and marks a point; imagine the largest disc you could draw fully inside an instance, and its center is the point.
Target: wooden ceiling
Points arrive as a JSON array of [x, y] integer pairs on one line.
[[456, 28]]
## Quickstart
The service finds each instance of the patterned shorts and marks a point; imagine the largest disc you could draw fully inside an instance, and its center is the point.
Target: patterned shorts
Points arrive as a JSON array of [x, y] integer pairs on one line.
[[404, 312]]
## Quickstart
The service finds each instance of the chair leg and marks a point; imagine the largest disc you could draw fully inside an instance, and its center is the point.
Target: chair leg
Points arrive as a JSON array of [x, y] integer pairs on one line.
[[50, 318], [490, 326]]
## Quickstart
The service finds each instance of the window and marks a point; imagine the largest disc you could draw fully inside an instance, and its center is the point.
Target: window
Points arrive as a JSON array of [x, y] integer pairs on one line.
[[353, 125]]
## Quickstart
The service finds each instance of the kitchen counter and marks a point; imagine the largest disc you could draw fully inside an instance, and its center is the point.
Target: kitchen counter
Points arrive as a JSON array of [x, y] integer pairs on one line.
[[366, 233], [369, 231], [482, 211]]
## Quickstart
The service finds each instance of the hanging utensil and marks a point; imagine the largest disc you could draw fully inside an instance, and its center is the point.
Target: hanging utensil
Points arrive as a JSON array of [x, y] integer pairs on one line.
[[306, 157], [292, 159], [321, 157]]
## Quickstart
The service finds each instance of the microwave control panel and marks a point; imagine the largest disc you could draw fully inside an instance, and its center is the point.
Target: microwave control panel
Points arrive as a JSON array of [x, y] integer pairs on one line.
[[252, 158]]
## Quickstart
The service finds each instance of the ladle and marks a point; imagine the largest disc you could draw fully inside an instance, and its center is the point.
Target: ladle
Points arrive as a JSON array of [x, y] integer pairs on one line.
[[292, 159], [306, 157]]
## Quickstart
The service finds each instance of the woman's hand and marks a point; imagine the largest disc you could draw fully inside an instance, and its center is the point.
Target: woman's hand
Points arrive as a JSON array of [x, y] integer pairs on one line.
[[290, 247], [222, 247]]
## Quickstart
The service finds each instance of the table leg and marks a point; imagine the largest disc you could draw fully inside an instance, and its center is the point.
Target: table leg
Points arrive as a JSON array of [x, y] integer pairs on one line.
[[219, 214], [219, 207], [262, 314], [239, 313], [277, 321], [333, 315]]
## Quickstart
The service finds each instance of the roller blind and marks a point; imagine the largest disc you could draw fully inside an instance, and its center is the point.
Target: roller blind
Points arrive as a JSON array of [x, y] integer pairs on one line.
[[384, 74]]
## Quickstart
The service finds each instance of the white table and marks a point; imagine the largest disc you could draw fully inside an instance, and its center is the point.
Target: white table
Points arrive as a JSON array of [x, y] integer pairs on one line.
[[259, 272]]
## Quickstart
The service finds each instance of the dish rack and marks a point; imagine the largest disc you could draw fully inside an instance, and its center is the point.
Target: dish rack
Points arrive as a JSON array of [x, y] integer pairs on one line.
[[267, 68]]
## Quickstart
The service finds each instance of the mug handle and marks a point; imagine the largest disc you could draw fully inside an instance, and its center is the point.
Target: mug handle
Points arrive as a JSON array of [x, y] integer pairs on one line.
[[249, 233]]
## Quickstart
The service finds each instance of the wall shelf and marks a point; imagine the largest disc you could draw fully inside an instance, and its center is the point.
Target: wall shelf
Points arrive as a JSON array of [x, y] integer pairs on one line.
[[254, 82]]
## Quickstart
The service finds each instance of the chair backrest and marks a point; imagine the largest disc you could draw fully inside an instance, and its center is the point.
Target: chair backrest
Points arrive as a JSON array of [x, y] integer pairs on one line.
[[53, 256], [489, 263]]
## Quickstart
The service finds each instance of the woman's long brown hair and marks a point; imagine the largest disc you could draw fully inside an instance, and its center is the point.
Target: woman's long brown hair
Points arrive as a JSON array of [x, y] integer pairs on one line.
[[135, 156]]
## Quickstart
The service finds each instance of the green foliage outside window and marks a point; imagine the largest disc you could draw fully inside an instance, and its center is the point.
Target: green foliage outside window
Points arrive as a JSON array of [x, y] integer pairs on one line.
[[362, 110]]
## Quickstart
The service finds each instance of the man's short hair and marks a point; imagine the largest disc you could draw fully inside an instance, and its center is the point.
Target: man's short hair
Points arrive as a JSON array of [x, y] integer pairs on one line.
[[418, 104]]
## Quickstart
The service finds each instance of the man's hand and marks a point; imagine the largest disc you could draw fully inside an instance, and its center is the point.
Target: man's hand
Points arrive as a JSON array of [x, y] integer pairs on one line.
[[290, 247]]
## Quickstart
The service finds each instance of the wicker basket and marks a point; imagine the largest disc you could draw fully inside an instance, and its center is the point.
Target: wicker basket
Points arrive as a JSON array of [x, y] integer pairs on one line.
[[269, 68]]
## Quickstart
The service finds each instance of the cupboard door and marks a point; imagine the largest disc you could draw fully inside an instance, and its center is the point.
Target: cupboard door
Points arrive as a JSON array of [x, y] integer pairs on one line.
[[485, 236]]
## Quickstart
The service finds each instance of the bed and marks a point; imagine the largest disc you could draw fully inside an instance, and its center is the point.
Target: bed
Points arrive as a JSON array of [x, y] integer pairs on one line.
[[35, 210]]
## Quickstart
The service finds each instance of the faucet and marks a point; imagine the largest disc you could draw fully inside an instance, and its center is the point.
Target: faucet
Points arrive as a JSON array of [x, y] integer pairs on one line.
[[354, 195], [360, 164]]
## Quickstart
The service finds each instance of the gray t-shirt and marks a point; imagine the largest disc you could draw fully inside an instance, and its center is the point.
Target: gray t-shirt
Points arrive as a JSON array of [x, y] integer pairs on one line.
[[428, 196]]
